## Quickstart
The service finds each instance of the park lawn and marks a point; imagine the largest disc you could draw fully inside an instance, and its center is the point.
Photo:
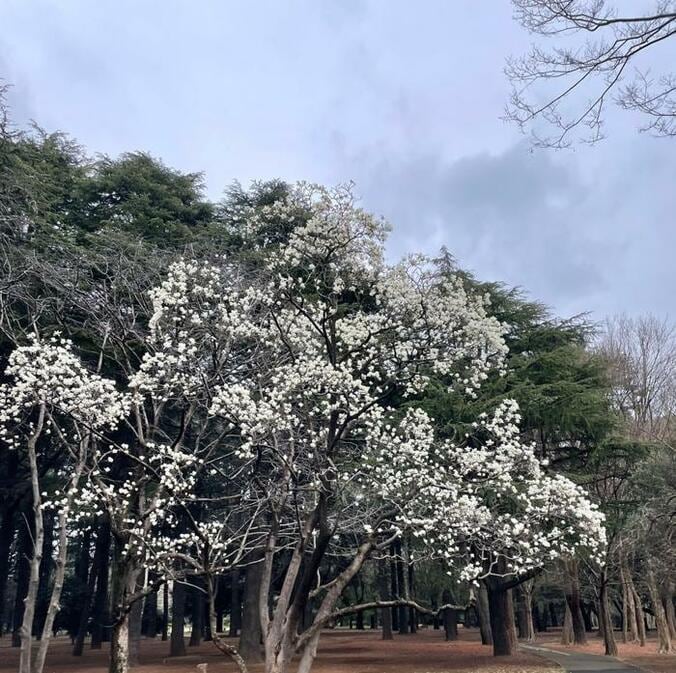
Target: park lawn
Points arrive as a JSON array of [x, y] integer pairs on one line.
[[340, 651]]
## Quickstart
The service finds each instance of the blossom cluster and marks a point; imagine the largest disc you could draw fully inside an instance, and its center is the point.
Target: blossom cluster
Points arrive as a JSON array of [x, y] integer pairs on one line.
[[48, 373], [493, 500]]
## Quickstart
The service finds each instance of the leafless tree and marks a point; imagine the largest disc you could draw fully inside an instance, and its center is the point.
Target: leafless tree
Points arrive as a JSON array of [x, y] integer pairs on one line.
[[642, 356], [599, 58]]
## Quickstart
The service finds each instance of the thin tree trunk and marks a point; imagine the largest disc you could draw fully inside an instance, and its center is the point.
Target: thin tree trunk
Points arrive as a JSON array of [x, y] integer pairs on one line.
[[250, 637], [100, 614], [630, 626], [525, 611], [394, 587], [135, 628], [605, 616], [668, 601], [38, 538], [235, 604], [196, 616], [24, 550], [483, 611], [45, 574], [450, 617], [177, 642], [216, 637], [567, 630], [165, 611], [149, 619], [572, 591], [6, 539], [59, 566], [640, 618], [125, 586], [7, 532], [663, 635], [78, 645], [402, 583], [384, 592], [412, 613]]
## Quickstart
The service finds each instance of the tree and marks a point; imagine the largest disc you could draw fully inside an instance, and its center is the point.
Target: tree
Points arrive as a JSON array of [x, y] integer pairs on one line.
[[595, 69], [52, 399], [641, 356], [336, 465], [140, 196]]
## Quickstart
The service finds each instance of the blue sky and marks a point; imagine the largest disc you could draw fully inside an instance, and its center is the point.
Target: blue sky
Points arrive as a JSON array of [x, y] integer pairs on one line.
[[403, 98]]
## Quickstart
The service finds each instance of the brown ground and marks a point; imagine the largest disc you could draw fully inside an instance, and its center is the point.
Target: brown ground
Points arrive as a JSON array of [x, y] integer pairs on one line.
[[645, 658], [340, 651]]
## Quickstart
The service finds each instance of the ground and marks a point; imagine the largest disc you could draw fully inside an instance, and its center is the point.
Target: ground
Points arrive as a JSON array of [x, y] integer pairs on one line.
[[645, 658], [340, 652], [344, 651]]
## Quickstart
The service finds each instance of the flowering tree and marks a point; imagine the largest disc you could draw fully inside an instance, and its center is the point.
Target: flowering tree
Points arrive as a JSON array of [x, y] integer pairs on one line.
[[341, 339], [507, 517], [292, 389], [52, 401]]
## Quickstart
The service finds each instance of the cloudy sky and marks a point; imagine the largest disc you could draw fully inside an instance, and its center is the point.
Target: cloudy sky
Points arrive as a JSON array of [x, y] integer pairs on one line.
[[403, 98]]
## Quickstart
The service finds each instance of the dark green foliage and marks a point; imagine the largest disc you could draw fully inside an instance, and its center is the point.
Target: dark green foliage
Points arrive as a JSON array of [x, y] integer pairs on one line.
[[140, 196], [561, 387]]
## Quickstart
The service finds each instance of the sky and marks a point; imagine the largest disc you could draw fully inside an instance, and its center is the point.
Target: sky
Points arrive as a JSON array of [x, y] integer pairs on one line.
[[405, 99]]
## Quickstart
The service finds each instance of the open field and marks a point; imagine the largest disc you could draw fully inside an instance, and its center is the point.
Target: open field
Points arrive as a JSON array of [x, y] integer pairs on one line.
[[339, 652]]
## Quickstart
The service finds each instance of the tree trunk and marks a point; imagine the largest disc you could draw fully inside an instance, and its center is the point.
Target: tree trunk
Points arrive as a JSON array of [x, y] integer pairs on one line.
[[501, 618], [410, 591], [394, 587], [217, 639], [196, 616], [567, 630], [384, 592], [177, 642], [250, 637], [135, 628], [539, 620], [605, 617], [127, 615], [402, 584], [586, 616], [59, 566], [26, 630], [89, 575], [149, 619], [552, 614], [483, 611], [7, 530], [6, 539], [165, 611], [668, 602], [630, 631], [663, 635], [100, 615], [24, 546], [450, 617], [525, 611], [45, 574], [640, 617], [235, 604], [119, 646], [572, 591]]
